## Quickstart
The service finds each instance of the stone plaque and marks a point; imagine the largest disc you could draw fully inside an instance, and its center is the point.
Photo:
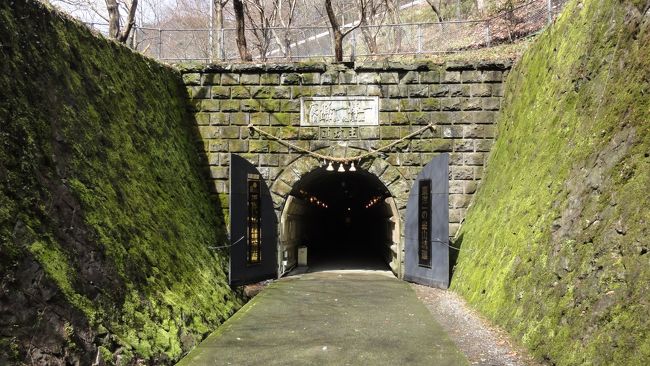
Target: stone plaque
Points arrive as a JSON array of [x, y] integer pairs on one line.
[[339, 111]]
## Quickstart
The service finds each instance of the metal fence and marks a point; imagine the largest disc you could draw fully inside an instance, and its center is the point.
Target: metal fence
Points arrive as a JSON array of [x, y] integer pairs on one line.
[[366, 42]]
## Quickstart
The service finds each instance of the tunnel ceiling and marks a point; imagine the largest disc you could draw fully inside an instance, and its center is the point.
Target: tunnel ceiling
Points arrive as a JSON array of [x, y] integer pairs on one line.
[[340, 189]]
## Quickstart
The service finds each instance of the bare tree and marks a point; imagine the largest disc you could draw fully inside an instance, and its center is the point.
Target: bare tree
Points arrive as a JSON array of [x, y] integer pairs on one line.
[[285, 15], [115, 29], [187, 15], [270, 20], [393, 10], [337, 34], [219, 5], [373, 14], [262, 18], [435, 9], [119, 27], [238, 7], [513, 19]]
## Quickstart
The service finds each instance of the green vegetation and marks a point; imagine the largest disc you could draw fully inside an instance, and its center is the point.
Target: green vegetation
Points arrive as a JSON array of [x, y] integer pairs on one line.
[[101, 185], [555, 246], [106, 221]]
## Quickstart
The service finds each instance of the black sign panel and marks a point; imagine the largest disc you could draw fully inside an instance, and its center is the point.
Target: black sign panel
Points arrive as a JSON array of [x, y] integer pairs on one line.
[[253, 225], [424, 223], [254, 218], [426, 247]]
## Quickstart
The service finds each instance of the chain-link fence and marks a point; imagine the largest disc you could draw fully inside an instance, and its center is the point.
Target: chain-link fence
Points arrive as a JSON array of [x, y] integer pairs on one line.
[[365, 42]]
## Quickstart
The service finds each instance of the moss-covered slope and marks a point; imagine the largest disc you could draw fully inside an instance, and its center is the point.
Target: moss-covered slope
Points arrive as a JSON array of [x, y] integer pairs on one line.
[[555, 245], [105, 219]]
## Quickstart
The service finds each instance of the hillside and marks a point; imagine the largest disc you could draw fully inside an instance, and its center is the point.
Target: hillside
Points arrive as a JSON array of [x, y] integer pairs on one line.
[[105, 217], [555, 246]]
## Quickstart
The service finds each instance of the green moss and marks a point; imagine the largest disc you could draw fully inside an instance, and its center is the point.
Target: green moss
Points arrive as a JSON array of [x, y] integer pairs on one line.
[[96, 145], [106, 354], [12, 349], [288, 132], [56, 265], [553, 246]]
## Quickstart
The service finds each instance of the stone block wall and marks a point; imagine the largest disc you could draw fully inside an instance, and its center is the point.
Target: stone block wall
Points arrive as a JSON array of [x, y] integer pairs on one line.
[[462, 99]]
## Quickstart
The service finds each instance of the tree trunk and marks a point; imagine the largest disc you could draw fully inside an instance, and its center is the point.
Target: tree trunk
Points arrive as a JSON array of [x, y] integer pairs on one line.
[[130, 22], [287, 45], [113, 18], [113, 10], [368, 36], [338, 46], [336, 30], [435, 10], [393, 9], [241, 31], [218, 21], [371, 41]]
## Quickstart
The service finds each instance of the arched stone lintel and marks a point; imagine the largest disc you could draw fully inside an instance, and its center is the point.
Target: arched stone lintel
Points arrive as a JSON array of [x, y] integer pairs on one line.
[[389, 175]]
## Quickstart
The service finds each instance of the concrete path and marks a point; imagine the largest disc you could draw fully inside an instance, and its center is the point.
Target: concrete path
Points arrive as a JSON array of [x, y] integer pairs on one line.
[[331, 318]]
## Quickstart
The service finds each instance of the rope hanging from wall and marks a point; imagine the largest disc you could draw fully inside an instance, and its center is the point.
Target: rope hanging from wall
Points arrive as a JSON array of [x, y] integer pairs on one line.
[[343, 160]]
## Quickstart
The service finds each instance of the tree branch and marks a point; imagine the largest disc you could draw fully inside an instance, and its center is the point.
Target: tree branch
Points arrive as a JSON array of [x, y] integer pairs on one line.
[[362, 10], [130, 22]]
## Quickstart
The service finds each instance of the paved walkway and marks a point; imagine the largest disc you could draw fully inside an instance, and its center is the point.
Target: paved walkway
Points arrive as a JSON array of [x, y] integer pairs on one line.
[[331, 318]]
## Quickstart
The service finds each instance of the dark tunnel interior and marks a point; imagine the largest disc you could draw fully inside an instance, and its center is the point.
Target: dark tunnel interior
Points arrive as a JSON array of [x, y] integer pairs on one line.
[[343, 218]]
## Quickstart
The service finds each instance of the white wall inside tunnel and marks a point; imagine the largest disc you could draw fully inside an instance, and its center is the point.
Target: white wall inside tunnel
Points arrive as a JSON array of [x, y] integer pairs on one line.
[[290, 234]]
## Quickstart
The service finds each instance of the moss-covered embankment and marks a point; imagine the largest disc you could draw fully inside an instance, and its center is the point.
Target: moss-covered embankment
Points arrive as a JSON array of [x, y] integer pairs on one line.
[[105, 219], [555, 247]]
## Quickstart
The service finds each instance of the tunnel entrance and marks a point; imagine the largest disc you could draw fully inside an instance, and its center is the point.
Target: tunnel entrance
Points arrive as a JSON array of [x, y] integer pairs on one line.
[[345, 220]]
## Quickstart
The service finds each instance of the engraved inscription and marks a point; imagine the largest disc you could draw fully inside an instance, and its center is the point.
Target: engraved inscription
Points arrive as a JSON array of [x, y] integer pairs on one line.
[[339, 111], [337, 133]]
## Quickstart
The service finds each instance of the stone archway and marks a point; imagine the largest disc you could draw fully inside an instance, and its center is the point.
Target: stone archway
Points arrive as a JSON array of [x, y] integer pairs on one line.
[[393, 205], [389, 175]]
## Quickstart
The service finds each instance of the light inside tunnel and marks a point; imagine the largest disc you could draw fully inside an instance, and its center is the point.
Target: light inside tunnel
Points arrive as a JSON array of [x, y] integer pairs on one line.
[[347, 220]]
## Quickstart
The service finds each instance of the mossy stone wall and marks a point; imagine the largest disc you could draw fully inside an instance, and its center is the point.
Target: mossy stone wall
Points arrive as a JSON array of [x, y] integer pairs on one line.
[[106, 220], [461, 99], [555, 247]]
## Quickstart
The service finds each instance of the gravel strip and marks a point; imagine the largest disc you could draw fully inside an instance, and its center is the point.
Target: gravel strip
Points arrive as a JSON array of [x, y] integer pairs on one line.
[[482, 343]]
